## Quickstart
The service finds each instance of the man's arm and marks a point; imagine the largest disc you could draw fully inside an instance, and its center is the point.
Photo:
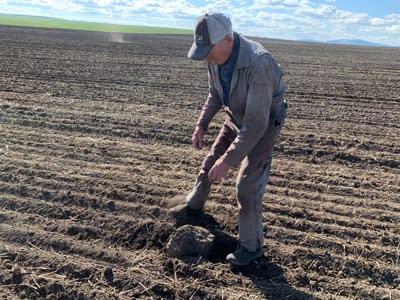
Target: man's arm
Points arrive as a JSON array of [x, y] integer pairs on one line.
[[198, 137], [212, 105]]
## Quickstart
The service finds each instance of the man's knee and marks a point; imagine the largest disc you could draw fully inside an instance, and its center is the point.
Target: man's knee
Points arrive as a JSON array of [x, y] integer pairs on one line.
[[247, 196]]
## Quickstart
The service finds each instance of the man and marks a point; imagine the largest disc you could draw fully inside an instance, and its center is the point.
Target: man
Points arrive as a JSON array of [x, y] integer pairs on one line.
[[246, 81]]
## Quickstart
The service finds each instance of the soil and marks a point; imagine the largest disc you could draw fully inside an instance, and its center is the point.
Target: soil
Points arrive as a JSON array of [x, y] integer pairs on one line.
[[95, 146]]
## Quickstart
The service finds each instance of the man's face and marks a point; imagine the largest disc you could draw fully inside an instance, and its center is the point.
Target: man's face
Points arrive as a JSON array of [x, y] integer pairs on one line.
[[220, 52]]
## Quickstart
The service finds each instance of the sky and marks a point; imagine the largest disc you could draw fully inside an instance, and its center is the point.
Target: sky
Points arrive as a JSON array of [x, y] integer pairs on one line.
[[319, 20]]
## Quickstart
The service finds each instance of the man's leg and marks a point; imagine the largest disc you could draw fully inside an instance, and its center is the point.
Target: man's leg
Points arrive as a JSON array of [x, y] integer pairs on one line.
[[251, 182], [199, 194]]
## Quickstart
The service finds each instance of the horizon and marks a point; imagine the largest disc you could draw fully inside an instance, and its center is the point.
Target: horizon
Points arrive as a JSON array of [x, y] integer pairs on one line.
[[125, 28], [319, 20]]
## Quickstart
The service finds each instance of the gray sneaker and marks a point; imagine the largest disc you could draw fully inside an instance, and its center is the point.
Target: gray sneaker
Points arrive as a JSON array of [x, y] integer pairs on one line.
[[243, 257], [184, 210]]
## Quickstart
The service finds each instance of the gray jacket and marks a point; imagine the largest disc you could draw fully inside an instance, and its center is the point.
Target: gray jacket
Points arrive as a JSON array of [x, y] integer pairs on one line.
[[257, 87]]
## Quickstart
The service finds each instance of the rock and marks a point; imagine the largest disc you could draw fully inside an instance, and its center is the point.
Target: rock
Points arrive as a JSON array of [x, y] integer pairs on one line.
[[111, 205], [17, 276], [56, 288], [108, 274], [190, 240]]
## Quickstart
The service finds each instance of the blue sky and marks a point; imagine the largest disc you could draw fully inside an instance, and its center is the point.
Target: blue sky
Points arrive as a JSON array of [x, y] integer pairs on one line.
[[372, 20]]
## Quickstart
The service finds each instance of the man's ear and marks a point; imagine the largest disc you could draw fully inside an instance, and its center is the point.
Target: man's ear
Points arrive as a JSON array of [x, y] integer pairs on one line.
[[229, 38]]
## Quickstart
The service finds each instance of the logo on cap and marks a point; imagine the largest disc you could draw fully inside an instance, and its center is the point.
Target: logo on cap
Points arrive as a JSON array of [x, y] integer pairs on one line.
[[202, 34]]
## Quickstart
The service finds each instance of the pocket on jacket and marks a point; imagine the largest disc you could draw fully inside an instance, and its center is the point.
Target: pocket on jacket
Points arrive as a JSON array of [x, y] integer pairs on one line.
[[277, 117]]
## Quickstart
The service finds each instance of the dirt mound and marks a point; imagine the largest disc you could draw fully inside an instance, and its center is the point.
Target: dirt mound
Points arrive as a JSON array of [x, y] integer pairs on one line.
[[190, 240]]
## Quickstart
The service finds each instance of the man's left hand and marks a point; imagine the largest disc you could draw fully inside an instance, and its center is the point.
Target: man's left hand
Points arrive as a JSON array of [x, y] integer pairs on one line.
[[219, 171]]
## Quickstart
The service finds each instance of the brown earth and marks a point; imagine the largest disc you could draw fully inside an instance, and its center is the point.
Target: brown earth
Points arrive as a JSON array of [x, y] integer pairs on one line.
[[95, 146]]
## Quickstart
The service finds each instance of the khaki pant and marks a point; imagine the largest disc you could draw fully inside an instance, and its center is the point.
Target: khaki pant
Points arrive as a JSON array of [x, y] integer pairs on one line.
[[251, 180]]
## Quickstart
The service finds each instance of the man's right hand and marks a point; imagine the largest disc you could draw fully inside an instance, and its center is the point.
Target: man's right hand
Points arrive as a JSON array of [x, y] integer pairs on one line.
[[198, 137]]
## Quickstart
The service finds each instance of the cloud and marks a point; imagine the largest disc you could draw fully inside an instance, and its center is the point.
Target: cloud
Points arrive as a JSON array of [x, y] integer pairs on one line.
[[278, 4], [388, 24], [331, 13], [281, 3], [155, 8], [393, 29], [103, 3], [323, 11], [45, 5], [378, 21]]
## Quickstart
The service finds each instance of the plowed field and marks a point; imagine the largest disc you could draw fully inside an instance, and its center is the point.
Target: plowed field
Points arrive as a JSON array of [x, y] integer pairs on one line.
[[95, 146]]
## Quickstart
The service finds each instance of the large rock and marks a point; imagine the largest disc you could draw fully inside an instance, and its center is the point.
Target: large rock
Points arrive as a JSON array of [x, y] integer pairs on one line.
[[190, 240]]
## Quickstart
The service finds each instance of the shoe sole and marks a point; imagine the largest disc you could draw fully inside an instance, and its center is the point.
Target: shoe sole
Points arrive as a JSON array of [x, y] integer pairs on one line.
[[185, 212], [237, 264]]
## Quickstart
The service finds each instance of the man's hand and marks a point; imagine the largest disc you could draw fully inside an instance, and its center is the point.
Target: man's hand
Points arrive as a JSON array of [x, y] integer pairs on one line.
[[219, 171], [198, 137]]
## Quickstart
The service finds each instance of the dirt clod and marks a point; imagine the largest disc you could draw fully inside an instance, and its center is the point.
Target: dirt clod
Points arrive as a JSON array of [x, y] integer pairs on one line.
[[17, 276], [190, 240], [108, 274]]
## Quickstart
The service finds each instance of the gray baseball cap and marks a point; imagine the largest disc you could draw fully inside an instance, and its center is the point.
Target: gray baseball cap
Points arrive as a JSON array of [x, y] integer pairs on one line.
[[209, 30]]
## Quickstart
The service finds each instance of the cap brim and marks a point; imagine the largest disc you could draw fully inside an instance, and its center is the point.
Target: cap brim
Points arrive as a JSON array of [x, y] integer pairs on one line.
[[199, 52]]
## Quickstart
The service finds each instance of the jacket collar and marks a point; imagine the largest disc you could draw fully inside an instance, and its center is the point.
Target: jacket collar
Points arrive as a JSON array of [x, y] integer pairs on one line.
[[244, 55]]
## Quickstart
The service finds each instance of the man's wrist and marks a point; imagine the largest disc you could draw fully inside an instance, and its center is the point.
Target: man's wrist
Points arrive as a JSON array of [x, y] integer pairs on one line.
[[201, 126]]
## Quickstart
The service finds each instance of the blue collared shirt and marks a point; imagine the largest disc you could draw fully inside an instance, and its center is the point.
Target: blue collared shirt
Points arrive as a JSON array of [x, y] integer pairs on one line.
[[226, 70]]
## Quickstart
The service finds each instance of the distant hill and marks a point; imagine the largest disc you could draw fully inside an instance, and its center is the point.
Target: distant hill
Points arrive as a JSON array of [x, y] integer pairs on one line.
[[355, 42]]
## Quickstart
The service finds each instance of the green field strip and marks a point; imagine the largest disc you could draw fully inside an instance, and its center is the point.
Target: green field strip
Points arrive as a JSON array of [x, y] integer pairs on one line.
[[43, 22]]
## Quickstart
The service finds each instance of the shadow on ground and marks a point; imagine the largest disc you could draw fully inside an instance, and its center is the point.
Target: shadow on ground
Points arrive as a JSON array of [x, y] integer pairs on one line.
[[270, 279], [266, 275]]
